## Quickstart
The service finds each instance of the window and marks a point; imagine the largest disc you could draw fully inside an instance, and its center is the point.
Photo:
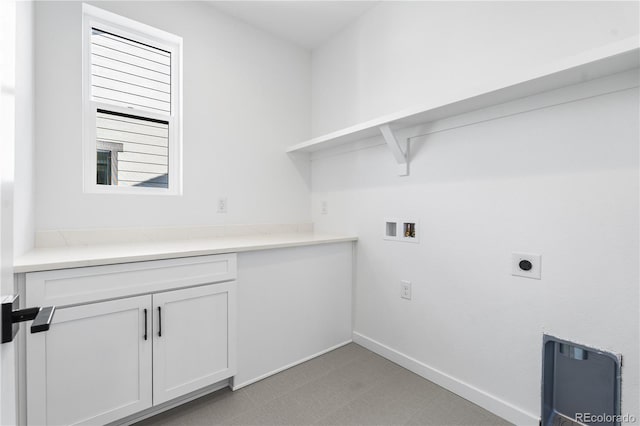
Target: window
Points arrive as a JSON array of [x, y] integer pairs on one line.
[[104, 167], [132, 106]]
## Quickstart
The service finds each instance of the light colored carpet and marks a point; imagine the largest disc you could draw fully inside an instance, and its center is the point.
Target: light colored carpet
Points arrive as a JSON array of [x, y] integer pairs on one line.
[[348, 386]]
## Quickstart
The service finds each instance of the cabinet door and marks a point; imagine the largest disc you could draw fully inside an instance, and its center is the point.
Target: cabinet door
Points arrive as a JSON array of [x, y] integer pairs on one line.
[[194, 339], [93, 366]]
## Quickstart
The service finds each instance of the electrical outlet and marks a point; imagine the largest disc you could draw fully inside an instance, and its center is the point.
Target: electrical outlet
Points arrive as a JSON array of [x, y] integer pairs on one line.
[[526, 265], [405, 289], [222, 205], [324, 207]]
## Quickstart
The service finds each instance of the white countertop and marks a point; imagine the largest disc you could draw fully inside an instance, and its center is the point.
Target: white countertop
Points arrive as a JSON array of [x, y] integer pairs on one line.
[[46, 259]]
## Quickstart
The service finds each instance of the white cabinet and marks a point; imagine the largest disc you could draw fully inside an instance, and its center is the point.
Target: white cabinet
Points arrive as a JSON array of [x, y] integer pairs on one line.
[[192, 331], [102, 361], [93, 366]]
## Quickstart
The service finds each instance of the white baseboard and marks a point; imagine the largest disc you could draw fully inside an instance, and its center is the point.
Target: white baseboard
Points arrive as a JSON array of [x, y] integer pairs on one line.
[[293, 364], [477, 396]]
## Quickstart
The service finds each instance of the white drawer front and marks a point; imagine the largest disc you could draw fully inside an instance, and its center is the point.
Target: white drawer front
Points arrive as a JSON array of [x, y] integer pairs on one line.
[[83, 285]]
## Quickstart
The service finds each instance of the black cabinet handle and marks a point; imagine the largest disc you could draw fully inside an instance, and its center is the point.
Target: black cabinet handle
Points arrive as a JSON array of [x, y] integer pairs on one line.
[[159, 321], [145, 324]]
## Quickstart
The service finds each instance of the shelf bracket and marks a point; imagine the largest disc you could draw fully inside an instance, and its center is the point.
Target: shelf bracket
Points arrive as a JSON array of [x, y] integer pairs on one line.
[[399, 153]]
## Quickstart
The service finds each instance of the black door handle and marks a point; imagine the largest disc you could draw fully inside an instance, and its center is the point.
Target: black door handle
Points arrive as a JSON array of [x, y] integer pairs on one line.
[[159, 321], [12, 316], [145, 324], [43, 319]]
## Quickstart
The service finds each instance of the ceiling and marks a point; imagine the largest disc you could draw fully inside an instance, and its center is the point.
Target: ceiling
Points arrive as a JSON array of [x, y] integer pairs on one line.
[[305, 23]]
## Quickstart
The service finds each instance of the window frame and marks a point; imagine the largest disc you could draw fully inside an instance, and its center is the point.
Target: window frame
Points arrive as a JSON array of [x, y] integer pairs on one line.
[[136, 31]]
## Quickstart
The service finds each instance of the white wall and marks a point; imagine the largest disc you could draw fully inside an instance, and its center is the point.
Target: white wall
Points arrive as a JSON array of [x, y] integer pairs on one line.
[[246, 97], [561, 181], [24, 186], [401, 54]]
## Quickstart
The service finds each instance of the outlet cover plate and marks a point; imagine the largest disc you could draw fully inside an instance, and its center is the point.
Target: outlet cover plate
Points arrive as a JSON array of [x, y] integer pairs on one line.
[[536, 265], [222, 205], [405, 289], [324, 207]]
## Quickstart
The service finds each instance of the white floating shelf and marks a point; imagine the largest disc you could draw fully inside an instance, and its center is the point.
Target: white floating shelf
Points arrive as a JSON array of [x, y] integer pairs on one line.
[[607, 60]]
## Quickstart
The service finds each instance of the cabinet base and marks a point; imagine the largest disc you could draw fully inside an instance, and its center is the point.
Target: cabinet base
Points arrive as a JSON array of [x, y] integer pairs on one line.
[[171, 404]]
